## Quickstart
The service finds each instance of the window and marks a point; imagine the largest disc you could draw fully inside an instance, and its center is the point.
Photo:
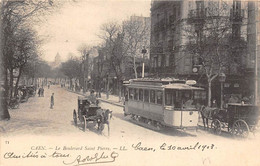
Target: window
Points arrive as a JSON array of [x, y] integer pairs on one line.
[[163, 60], [136, 94], [152, 96], [167, 60], [146, 95], [166, 17], [159, 97], [178, 11], [131, 93], [159, 60], [177, 100], [155, 62], [170, 45], [141, 94]]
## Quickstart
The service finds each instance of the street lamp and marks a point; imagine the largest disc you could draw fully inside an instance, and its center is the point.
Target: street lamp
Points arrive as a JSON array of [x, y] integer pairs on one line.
[[144, 51], [222, 78]]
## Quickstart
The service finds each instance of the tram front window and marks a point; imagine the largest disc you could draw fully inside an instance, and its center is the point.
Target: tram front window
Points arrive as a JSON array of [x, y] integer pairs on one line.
[[187, 99], [179, 99]]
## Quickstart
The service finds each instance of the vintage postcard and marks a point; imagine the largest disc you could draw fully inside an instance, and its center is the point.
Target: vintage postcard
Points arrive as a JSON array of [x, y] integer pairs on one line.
[[129, 82]]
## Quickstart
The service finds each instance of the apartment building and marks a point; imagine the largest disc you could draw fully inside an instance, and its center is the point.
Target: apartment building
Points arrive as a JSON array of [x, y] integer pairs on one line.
[[169, 20]]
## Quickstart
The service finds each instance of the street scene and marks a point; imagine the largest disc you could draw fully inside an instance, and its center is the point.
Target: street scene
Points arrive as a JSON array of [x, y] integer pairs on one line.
[[129, 78], [36, 117]]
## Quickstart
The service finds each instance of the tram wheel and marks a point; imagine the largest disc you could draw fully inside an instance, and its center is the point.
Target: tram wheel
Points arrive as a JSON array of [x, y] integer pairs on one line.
[[149, 122]]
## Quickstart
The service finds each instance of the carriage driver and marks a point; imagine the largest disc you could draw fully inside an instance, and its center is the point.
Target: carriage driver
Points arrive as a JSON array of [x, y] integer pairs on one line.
[[92, 98]]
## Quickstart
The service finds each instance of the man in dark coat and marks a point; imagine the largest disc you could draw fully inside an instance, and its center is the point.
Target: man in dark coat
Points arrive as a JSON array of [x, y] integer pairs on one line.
[[52, 100], [92, 98]]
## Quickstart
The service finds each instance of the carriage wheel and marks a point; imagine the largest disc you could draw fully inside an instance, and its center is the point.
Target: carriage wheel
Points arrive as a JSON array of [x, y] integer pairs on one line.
[[75, 118], [158, 126], [240, 129], [216, 126], [84, 123]]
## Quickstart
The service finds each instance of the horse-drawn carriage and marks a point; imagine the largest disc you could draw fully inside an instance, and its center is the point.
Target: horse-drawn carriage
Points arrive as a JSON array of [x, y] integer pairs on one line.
[[31, 90], [24, 93], [14, 103], [239, 119], [91, 113]]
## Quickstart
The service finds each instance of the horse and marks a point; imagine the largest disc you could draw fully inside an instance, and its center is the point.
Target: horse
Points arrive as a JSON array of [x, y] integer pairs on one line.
[[104, 116], [207, 113]]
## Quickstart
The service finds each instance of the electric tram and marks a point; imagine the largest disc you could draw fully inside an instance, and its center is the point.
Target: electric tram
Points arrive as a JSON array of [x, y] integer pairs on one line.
[[164, 102]]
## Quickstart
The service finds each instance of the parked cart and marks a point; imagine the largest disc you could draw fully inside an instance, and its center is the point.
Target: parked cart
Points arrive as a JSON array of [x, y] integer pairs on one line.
[[239, 119]]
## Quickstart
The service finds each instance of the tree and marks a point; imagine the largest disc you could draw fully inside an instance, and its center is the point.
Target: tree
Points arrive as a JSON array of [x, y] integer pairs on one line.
[[113, 37], [136, 36], [211, 37], [71, 69], [84, 50], [37, 68], [16, 17]]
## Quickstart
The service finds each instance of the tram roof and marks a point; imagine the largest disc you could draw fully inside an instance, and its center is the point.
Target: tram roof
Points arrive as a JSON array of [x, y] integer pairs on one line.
[[181, 87], [154, 81]]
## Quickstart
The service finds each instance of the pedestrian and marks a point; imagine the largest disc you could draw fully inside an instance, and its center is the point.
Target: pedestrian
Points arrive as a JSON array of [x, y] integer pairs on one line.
[[39, 92], [214, 103], [49, 86], [42, 92], [52, 100]]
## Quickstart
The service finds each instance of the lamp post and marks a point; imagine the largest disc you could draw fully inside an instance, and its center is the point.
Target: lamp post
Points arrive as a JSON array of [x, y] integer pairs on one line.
[[107, 87], [256, 53], [144, 51], [222, 78]]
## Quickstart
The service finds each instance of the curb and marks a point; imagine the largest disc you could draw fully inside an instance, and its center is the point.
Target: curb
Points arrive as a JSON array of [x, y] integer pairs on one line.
[[104, 100], [110, 102]]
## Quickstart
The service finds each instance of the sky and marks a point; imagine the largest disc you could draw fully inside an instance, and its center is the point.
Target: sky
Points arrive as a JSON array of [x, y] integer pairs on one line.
[[77, 23]]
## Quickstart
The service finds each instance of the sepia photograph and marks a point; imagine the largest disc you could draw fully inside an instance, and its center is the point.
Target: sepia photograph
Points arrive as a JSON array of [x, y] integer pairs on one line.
[[129, 82]]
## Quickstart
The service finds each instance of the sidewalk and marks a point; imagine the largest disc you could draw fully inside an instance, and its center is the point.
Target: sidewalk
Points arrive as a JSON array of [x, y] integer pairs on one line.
[[111, 100]]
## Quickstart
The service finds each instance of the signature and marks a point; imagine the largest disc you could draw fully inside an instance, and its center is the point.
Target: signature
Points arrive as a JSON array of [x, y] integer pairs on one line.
[[94, 159]]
